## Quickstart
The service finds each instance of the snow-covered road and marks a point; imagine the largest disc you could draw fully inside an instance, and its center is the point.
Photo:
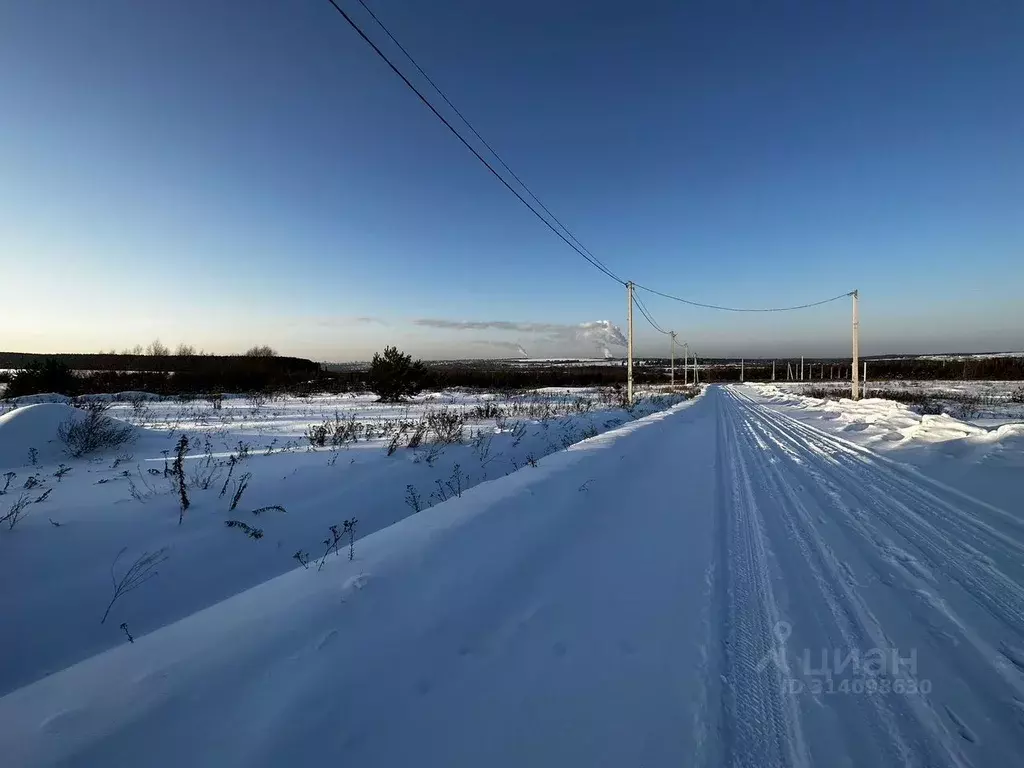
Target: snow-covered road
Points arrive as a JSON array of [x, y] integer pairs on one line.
[[714, 585]]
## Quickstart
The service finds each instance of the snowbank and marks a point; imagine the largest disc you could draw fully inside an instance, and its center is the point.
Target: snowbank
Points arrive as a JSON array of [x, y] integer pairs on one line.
[[267, 648], [877, 420], [42, 397], [33, 426], [123, 500]]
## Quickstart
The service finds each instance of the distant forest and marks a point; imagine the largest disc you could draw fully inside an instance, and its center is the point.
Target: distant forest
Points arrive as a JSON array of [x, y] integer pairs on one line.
[[194, 375]]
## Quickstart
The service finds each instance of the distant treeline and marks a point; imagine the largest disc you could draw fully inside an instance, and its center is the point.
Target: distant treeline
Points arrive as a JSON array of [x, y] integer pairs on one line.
[[505, 377], [879, 369], [163, 363], [73, 374]]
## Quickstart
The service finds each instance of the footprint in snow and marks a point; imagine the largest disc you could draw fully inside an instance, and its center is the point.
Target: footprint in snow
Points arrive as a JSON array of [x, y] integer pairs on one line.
[[356, 582]]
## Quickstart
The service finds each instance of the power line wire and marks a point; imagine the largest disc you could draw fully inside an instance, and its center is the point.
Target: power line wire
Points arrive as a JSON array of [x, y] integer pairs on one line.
[[590, 259], [572, 241], [484, 141], [742, 309], [647, 315]]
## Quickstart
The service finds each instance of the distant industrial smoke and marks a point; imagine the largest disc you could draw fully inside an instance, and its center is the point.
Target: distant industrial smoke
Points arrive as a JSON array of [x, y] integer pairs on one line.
[[506, 346], [594, 336], [601, 333]]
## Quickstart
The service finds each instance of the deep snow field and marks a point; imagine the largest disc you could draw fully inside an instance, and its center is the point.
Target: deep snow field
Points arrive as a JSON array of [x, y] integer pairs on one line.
[[983, 403], [981, 452], [620, 591], [79, 514]]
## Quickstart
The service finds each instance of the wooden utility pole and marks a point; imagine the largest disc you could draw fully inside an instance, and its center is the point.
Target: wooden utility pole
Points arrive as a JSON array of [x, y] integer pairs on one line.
[[672, 353], [629, 345], [856, 348]]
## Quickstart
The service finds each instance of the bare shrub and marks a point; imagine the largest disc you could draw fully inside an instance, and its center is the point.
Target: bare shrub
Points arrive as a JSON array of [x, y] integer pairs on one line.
[[253, 533], [417, 434], [242, 451], [317, 434], [138, 573], [964, 410], [17, 511], [256, 401], [178, 475], [240, 485], [350, 529], [344, 430], [205, 472], [330, 543], [393, 444], [232, 462], [336, 431], [446, 425], [95, 432], [413, 499], [455, 483], [487, 410], [270, 508], [137, 400], [518, 433]]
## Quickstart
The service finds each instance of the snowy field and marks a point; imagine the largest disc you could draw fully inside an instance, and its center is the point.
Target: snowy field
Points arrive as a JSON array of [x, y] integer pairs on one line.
[[969, 432], [746, 578], [314, 462], [983, 403]]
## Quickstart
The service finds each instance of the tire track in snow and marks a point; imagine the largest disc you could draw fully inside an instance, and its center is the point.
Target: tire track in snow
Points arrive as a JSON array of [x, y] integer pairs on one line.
[[898, 730], [896, 503], [761, 724], [933, 526]]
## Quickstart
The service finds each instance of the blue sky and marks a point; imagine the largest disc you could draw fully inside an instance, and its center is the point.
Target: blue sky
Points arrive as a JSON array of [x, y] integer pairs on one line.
[[228, 173]]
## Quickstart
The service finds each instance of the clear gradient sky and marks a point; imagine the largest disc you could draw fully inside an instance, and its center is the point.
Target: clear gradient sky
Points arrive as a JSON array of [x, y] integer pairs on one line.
[[233, 172]]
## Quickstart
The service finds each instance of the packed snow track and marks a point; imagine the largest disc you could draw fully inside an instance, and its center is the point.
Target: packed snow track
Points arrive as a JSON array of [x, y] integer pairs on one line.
[[716, 585]]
